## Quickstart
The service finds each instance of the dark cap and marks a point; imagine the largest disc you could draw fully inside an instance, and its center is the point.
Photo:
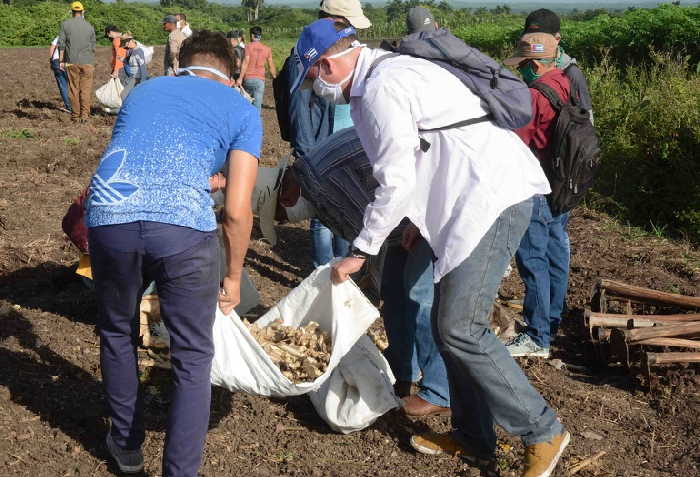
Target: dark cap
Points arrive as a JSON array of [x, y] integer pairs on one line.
[[543, 21], [420, 19], [233, 34], [170, 19]]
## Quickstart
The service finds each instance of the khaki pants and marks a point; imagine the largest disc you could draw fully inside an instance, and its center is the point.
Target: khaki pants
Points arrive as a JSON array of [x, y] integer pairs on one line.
[[80, 89]]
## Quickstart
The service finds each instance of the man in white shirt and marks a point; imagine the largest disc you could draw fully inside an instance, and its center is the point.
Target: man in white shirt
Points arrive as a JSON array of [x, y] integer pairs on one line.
[[182, 24], [61, 77], [470, 196]]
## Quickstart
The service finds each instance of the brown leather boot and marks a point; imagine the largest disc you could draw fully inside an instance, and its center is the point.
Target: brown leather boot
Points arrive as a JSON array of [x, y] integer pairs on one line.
[[418, 407]]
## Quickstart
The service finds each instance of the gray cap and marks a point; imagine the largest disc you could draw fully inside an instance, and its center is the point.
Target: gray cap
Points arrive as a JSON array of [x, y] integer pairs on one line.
[[170, 19], [419, 19]]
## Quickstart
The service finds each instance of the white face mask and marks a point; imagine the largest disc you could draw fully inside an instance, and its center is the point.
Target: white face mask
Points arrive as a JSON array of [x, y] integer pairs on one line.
[[191, 69], [332, 92]]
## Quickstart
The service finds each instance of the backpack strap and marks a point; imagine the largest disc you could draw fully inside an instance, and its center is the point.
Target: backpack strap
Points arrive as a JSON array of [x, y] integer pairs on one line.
[[425, 145], [379, 61], [550, 94]]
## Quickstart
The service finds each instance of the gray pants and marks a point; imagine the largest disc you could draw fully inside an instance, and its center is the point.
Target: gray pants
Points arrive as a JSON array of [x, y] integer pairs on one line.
[[486, 384]]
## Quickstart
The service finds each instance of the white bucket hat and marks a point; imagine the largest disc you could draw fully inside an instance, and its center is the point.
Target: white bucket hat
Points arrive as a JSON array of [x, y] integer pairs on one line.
[[264, 200]]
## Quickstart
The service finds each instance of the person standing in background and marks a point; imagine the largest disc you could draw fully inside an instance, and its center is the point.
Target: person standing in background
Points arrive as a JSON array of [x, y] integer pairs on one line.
[[61, 78], [183, 25], [113, 34], [544, 255], [76, 44], [312, 119], [408, 294], [172, 47], [252, 76], [234, 38], [135, 70]]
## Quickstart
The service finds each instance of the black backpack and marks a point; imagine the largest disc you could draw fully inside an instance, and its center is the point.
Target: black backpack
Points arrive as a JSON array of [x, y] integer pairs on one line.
[[575, 152], [280, 90]]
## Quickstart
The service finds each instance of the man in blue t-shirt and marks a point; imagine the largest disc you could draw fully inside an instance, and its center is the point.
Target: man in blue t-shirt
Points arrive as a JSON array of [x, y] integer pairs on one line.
[[150, 217]]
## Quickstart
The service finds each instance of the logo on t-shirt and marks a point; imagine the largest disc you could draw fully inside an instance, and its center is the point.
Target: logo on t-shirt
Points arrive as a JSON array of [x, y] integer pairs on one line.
[[103, 189]]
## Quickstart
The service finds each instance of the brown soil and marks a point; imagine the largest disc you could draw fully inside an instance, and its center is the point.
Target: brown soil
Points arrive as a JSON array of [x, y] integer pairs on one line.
[[51, 407]]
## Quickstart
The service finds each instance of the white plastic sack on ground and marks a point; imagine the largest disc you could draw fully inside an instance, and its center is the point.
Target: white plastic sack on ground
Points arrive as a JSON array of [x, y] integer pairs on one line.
[[240, 363], [359, 390], [109, 94]]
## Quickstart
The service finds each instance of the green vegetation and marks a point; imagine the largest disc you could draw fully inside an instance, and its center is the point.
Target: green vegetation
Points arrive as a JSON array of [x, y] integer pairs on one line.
[[649, 121], [643, 66], [18, 134]]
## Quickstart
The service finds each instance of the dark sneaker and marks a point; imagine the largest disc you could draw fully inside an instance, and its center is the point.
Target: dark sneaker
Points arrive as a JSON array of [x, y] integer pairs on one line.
[[542, 458], [128, 461], [523, 345]]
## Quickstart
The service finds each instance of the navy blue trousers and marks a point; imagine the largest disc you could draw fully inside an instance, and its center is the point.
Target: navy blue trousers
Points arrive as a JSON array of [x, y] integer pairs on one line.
[[183, 263]]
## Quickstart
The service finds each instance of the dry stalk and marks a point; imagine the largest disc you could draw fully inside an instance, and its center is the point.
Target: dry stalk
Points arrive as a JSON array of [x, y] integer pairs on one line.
[[302, 353]]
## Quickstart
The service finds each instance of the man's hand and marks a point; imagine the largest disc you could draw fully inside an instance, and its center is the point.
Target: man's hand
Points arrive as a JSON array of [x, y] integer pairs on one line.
[[62, 66], [341, 271], [410, 236], [217, 182], [230, 295]]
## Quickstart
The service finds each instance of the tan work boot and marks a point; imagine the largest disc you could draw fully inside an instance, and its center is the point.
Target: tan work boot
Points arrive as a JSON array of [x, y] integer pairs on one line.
[[433, 443], [542, 458]]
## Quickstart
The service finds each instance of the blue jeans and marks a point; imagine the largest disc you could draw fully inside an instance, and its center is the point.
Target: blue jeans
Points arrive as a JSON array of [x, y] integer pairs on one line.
[[62, 82], [486, 384], [325, 246], [407, 291], [184, 264], [256, 88], [543, 262]]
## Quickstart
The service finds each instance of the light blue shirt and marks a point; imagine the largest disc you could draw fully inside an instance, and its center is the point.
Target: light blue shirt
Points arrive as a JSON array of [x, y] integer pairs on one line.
[[341, 117], [171, 135]]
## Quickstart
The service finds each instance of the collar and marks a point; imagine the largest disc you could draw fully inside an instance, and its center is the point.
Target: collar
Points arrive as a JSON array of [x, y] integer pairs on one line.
[[364, 63]]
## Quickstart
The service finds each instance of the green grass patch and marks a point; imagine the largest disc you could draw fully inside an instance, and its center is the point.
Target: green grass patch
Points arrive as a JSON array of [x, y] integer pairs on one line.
[[18, 134]]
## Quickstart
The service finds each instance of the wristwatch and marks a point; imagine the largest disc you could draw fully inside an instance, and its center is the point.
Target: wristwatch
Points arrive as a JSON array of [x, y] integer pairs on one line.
[[357, 253]]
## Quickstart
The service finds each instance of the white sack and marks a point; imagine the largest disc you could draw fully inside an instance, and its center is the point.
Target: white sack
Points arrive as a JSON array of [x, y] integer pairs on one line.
[[359, 390], [109, 94], [147, 52], [240, 363]]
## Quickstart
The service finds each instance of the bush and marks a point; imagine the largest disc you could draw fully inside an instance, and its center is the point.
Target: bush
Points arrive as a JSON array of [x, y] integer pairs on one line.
[[649, 122]]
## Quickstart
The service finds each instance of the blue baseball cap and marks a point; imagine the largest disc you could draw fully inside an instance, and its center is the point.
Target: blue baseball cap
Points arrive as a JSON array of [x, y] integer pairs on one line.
[[314, 41]]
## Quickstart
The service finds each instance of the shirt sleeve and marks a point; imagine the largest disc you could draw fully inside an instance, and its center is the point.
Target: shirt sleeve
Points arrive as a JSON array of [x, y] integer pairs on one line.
[[526, 132], [62, 38], [579, 87], [305, 115], [389, 135], [248, 138]]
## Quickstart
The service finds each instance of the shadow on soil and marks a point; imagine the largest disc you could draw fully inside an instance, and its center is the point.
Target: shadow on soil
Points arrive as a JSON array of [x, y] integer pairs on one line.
[[38, 378], [50, 287]]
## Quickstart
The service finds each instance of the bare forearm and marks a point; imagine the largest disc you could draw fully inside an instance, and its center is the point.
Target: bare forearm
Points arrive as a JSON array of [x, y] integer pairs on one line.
[[236, 237]]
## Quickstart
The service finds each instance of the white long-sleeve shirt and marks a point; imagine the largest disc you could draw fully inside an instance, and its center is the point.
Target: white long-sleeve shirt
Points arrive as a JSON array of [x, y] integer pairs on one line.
[[456, 190]]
